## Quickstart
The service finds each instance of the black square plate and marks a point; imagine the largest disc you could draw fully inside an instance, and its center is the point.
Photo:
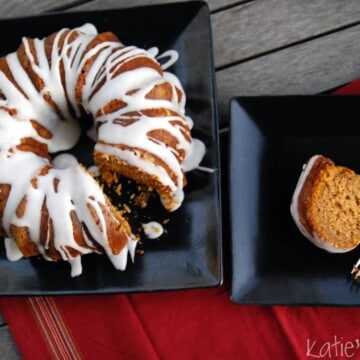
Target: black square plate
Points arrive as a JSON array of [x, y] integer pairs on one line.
[[270, 139], [188, 255]]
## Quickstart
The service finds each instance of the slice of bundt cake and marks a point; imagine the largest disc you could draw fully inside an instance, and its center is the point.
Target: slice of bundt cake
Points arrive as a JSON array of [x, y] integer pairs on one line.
[[326, 205]]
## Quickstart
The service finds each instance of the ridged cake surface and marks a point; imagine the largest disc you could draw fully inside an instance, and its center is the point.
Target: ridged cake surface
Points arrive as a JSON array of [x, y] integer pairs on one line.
[[138, 117]]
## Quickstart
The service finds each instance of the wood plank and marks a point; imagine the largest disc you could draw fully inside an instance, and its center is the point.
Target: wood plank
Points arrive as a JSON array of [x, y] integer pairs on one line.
[[7, 345], [256, 27], [19, 8], [214, 5], [309, 68]]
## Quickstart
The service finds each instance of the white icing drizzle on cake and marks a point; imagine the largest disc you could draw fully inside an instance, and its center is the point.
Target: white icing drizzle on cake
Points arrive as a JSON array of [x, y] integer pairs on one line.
[[74, 191], [94, 170], [295, 199], [12, 251], [172, 56], [59, 188], [64, 161]]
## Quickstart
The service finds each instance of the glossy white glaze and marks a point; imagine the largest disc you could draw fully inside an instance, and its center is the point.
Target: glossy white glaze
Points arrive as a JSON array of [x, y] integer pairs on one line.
[[153, 229], [66, 186]]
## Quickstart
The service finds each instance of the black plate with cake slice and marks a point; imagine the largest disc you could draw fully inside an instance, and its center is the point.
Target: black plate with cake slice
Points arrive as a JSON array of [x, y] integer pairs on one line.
[[271, 138]]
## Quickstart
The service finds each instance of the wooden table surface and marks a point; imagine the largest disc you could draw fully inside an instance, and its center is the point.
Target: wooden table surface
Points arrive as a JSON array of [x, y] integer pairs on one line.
[[261, 47]]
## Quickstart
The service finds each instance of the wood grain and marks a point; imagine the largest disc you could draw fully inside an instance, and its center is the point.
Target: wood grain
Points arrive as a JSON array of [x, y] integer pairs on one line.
[[214, 5], [7, 346], [261, 26], [19, 8], [308, 68]]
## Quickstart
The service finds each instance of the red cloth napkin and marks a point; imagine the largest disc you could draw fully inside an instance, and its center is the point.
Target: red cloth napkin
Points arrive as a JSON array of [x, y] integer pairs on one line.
[[191, 324]]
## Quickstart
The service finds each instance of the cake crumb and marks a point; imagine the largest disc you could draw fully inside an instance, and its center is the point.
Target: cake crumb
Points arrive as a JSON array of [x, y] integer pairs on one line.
[[142, 199], [118, 189], [127, 209]]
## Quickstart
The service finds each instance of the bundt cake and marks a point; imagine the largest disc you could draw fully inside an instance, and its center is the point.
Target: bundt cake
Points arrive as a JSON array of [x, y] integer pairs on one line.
[[138, 115], [325, 205]]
